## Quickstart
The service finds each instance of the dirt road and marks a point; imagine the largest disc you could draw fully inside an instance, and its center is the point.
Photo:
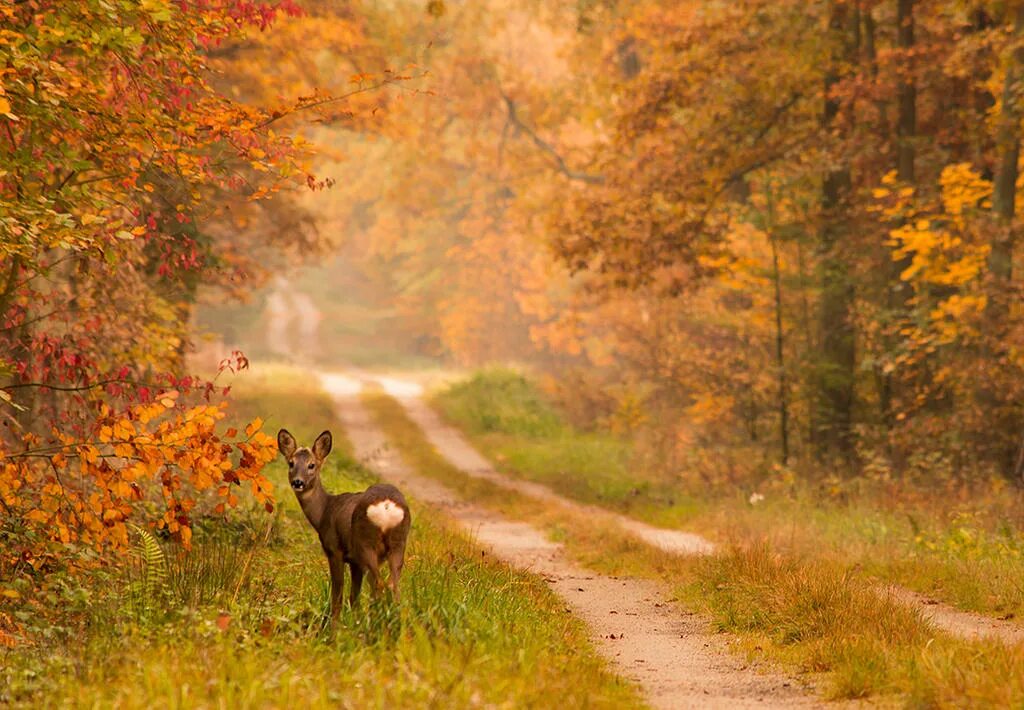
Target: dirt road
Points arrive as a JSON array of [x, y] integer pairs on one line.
[[453, 446], [646, 636]]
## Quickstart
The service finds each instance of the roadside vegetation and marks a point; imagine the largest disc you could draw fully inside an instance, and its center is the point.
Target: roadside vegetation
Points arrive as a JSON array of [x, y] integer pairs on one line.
[[817, 608], [240, 621], [953, 542]]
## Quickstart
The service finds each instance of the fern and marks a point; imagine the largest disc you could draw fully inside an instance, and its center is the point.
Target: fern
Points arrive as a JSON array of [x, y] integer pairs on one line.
[[151, 587]]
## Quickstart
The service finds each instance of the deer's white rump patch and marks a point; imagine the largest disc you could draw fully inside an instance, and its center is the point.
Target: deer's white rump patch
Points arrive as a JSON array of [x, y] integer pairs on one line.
[[385, 514]]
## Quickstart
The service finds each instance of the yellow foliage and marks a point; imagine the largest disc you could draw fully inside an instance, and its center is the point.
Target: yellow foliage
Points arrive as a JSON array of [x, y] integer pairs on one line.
[[942, 256], [963, 188]]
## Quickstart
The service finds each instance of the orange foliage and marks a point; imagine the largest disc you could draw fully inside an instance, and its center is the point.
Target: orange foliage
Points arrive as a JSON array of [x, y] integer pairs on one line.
[[85, 490], [128, 160]]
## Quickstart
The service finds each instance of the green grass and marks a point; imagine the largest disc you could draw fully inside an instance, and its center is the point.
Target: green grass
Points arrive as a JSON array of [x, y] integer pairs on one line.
[[964, 549], [284, 397], [241, 621], [513, 424], [814, 612]]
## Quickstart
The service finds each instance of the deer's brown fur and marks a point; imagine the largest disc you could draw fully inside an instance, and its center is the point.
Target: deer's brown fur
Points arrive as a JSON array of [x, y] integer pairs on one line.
[[361, 530]]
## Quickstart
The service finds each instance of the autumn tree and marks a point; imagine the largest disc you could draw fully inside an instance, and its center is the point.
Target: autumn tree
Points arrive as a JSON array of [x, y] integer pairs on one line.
[[885, 123], [122, 152]]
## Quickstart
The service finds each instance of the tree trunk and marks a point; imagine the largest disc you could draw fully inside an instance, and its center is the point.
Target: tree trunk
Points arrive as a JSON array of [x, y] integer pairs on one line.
[[833, 374], [1004, 416], [898, 292], [780, 356], [1005, 188], [871, 57], [906, 127]]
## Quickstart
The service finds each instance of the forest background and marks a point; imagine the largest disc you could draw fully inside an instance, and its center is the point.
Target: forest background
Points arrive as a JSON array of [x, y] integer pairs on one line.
[[761, 239]]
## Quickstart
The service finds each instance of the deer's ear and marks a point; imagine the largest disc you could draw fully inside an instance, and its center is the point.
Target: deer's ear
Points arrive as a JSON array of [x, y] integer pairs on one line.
[[322, 445], [286, 444]]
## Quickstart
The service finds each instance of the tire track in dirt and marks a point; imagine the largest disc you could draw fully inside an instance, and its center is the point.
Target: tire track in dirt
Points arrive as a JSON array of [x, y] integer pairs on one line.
[[959, 623], [646, 637]]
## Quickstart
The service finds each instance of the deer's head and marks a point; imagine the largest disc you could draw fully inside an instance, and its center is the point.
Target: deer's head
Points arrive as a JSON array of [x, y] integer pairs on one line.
[[303, 464]]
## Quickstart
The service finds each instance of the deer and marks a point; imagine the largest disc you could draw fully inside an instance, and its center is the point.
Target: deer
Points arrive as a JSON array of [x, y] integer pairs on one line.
[[358, 529]]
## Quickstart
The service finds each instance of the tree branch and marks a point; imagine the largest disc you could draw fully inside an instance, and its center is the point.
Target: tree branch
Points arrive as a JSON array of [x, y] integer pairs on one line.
[[78, 388], [546, 147], [278, 115]]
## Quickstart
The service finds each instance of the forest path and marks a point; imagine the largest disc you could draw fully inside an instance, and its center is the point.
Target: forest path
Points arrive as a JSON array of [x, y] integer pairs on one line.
[[452, 445], [646, 637]]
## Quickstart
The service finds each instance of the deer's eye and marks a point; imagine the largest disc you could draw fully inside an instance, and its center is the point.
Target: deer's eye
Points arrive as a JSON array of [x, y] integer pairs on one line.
[[311, 466], [291, 464]]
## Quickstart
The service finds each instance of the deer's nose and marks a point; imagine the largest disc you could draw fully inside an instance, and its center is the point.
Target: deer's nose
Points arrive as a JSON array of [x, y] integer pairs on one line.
[[298, 484]]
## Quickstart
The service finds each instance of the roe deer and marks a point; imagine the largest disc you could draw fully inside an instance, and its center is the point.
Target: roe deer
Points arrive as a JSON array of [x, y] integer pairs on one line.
[[358, 529]]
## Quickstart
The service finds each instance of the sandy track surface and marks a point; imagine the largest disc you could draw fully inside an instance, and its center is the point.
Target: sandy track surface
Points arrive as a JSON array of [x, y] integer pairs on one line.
[[959, 623], [647, 637]]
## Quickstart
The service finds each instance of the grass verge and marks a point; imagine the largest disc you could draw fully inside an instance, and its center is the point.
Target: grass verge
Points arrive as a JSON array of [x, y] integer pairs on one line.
[[814, 615], [241, 621], [512, 423]]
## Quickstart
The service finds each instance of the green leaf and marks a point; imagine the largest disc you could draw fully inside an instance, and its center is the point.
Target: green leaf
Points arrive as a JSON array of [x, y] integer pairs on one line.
[[157, 9]]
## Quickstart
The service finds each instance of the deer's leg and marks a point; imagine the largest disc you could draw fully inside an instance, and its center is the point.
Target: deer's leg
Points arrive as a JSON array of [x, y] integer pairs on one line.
[[371, 566], [396, 560], [357, 583], [374, 573], [337, 567]]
